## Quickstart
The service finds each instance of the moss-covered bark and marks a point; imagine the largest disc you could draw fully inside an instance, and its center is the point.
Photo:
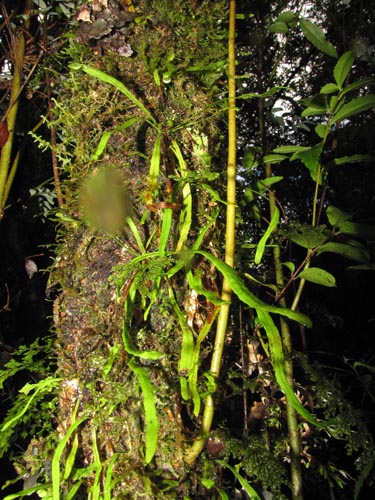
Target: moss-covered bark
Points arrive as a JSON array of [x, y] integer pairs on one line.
[[170, 58]]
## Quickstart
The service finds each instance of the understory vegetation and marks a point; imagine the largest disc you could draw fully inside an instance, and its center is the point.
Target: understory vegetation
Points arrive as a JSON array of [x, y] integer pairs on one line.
[[211, 187]]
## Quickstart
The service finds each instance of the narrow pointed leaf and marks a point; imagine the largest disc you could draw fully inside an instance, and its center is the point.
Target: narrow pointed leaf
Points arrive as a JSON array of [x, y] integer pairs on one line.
[[354, 107], [290, 149], [263, 241], [278, 361], [242, 292], [363, 82], [345, 160], [100, 75], [275, 158], [342, 67], [151, 419], [317, 37]]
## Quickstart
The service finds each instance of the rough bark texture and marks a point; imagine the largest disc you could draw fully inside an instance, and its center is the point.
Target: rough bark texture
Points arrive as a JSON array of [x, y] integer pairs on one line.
[[170, 60]]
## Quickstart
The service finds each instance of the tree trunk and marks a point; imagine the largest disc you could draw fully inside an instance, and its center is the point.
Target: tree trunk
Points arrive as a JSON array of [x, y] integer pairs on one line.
[[139, 139]]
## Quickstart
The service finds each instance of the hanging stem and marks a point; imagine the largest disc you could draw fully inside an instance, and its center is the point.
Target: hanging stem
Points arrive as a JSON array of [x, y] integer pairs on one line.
[[292, 419], [226, 295], [6, 166]]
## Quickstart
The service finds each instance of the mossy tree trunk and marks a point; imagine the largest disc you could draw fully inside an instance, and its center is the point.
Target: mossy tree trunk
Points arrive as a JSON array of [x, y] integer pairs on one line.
[[138, 120]]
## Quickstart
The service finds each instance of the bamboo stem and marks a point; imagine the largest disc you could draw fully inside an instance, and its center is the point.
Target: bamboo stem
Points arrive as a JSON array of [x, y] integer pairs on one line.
[[226, 295]]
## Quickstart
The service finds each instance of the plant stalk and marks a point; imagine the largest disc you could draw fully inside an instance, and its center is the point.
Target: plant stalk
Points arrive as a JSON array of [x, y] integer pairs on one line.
[[230, 232], [11, 114]]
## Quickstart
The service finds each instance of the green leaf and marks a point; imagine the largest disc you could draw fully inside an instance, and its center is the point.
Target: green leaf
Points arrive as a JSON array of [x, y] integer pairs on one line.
[[107, 135], [242, 292], [290, 265], [317, 37], [312, 110], [310, 158], [318, 276], [267, 93], [278, 27], [320, 130], [363, 82], [286, 17], [261, 186], [342, 67], [100, 75], [278, 363], [363, 267], [353, 252], [329, 88], [262, 242], [55, 466], [251, 492], [130, 349], [151, 418], [359, 230], [354, 107], [337, 217], [276, 158], [309, 237], [316, 105], [345, 160], [290, 149]]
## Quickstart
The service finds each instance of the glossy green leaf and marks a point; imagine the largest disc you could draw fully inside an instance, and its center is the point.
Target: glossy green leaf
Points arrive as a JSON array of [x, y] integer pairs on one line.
[[186, 214], [286, 17], [316, 104], [153, 175], [352, 252], [290, 265], [246, 486], [167, 217], [242, 292], [316, 36], [310, 158], [329, 88], [309, 237], [348, 160], [318, 276], [55, 465], [261, 187], [130, 349], [278, 27], [363, 82], [320, 130], [105, 78], [275, 158], [290, 149], [107, 135], [267, 93], [263, 241], [278, 363], [311, 111], [359, 230], [342, 67], [363, 267], [354, 107], [151, 419], [337, 217]]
